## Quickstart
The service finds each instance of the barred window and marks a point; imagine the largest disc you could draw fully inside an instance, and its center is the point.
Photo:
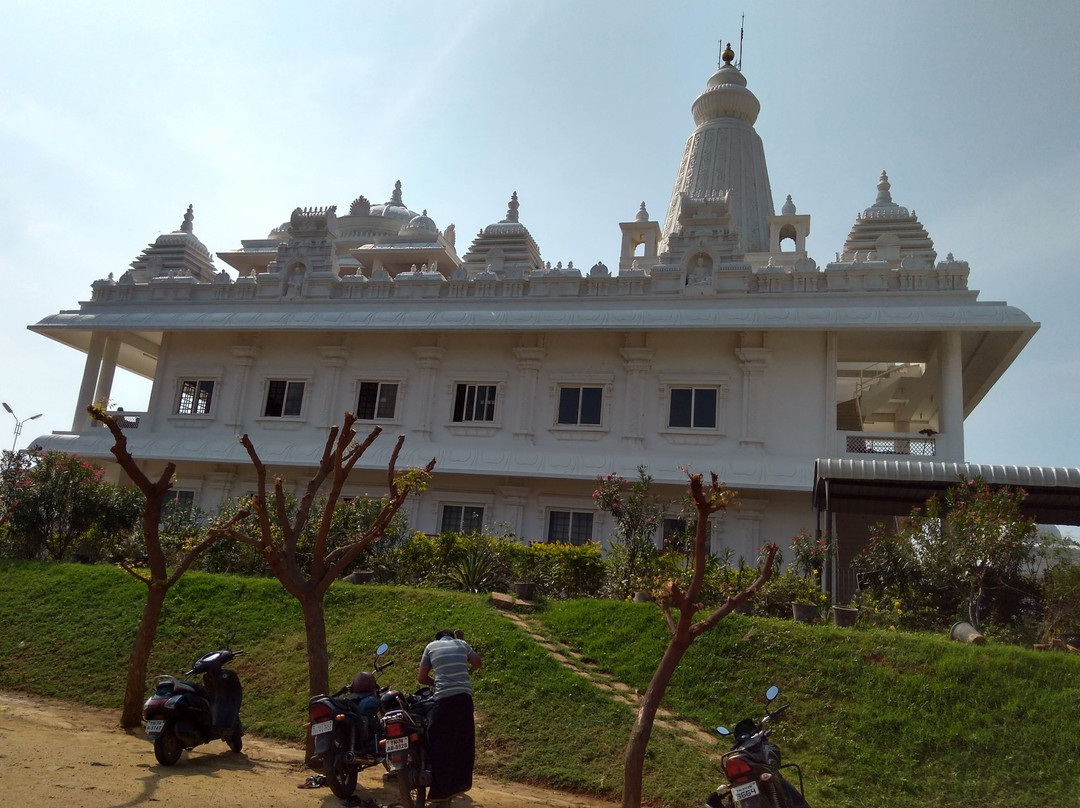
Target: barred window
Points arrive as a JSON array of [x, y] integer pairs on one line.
[[474, 402], [570, 527], [195, 397]]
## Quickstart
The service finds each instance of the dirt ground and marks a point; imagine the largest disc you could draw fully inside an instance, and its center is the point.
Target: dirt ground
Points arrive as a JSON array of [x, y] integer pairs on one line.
[[64, 754]]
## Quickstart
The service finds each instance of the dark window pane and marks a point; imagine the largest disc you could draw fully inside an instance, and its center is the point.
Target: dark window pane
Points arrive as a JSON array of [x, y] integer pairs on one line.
[[387, 400], [568, 405], [459, 402], [275, 398], [451, 519], [472, 519], [294, 398], [681, 405], [705, 408], [559, 526], [591, 398], [581, 528], [369, 396]]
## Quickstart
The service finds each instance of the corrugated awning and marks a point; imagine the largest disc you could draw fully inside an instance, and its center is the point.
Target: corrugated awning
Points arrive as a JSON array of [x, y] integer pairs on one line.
[[894, 487]]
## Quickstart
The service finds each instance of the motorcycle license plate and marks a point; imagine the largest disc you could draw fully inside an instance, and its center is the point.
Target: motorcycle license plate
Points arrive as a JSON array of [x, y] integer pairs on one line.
[[321, 727], [745, 791], [154, 726], [397, 744]]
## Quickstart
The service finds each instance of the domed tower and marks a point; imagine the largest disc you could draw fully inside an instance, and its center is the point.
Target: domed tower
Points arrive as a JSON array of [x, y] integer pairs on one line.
[[725, 156]]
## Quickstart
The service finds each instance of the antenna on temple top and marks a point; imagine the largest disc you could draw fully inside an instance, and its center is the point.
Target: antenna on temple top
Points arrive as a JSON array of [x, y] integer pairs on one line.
[[742, 24]]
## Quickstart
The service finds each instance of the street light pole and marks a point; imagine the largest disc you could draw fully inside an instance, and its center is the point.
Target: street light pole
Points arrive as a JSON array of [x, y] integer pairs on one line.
[[18, 424]]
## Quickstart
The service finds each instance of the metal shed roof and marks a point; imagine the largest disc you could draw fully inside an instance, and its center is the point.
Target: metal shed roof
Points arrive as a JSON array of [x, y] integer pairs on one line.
[[896, 486]]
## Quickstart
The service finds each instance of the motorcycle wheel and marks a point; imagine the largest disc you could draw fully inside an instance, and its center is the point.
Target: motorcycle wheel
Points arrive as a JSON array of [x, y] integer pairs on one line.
[[411, 790], [167, 746], [236, 740], [339, 774]]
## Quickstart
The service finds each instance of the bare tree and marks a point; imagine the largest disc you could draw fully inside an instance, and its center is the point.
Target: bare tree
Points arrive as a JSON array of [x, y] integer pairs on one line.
[[278, 533], [684, 629], [155, 575]]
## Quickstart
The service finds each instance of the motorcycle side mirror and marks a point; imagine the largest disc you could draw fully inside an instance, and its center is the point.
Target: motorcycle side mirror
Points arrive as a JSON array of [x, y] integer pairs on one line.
[[723, 731], [771, 693], [382, 649]]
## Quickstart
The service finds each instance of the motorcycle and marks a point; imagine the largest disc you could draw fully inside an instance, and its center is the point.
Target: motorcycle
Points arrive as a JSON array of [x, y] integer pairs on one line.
[[753, 767], [182, 714], [404, 729], [345, 729]]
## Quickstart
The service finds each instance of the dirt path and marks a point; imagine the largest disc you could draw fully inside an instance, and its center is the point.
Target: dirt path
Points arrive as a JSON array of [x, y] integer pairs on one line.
[[56, 753]]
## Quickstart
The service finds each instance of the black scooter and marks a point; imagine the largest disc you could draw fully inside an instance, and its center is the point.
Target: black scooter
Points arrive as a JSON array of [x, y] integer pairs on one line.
[[753, 767], [183, 714]]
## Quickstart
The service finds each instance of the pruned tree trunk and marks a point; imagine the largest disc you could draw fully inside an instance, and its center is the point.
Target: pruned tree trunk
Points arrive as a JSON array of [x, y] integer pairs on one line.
[[159, 581], [139, 659], [684, 630]]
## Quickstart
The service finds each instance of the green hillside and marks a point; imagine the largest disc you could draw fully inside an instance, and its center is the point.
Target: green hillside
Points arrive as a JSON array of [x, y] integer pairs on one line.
[[878, 718]]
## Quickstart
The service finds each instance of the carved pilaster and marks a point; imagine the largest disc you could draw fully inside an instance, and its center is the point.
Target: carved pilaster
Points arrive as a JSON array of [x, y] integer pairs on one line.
[[334, 357], [637, 362], [243, 358], [510, 506], [529, 362], [754, 362], [429, 360]]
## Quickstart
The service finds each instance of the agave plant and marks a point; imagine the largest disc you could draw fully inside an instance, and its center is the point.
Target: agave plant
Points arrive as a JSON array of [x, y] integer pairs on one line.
[[475, 571]]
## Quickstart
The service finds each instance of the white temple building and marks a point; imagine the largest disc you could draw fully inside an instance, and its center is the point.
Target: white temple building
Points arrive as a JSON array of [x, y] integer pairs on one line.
[[712, 343]]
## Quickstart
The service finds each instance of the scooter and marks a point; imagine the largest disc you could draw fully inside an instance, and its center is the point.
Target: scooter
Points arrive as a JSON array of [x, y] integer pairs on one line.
[[182, 714], [753, 767], [345, 729]]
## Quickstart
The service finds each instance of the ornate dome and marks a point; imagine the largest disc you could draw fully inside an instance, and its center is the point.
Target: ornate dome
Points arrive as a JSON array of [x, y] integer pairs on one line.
[[421, 224], [395, 208]]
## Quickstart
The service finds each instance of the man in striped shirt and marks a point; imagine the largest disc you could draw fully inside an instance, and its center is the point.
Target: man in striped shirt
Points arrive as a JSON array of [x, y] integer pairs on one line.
[[446, 663]]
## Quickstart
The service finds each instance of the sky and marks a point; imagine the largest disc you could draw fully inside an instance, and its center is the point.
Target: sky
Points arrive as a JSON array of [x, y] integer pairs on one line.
[[118, 115]]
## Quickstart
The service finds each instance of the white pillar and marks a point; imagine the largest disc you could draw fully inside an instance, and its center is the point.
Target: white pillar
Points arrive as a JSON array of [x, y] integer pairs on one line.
[[82, 421], [103, 392], [951, 413]]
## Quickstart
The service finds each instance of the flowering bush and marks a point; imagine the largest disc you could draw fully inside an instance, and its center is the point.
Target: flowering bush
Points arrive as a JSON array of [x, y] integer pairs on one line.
[[637, 514], [967, 556], [809, 554]]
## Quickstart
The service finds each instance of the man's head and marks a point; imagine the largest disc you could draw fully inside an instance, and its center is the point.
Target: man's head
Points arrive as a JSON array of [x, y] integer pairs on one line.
[[443, 633]]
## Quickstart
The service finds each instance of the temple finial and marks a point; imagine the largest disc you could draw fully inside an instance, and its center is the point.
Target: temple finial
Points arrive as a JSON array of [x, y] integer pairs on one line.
[[395, 199], [189, 217], [512, 208], [728, 55]]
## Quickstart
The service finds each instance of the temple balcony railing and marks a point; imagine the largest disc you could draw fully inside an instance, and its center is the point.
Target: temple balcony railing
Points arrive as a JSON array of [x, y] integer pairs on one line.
[[895, 444]]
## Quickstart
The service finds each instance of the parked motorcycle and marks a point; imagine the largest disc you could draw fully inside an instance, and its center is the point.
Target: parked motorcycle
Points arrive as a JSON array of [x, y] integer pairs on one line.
[[182, 714], [345, 729], [753, 767], [404, 727]]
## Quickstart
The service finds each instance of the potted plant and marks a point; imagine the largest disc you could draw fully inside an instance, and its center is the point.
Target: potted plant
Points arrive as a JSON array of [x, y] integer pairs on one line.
[[844, 616], [525, 569]]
